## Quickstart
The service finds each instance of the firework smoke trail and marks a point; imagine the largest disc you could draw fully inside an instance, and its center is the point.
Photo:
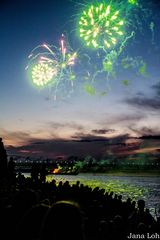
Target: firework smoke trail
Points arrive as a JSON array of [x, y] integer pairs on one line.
[[48, 48], [124, 42], [63, 48], [151, 26]]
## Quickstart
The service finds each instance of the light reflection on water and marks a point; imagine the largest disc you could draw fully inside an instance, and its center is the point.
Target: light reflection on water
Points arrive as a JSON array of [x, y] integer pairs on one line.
[[135, 187]]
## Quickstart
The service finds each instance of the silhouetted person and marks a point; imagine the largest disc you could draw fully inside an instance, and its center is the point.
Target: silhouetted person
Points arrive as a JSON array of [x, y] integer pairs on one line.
[[3, 161], [43, 173], [20, 179], [63, 221], [11, 171], [35, 172], [30, 225], [140, 216], [13, 214]]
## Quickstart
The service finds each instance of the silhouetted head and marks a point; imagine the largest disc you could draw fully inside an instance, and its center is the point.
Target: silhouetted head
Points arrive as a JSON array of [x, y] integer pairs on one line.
[[25, 199], [63, 221], [142, 228], [141, 204], [30, 225]]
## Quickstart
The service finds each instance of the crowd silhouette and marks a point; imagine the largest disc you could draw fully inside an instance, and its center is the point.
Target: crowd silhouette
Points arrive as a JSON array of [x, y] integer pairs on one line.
[[3, 161], [32, 208]]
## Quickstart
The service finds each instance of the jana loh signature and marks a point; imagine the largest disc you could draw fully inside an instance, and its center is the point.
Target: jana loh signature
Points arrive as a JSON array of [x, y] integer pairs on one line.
[[144, 236]]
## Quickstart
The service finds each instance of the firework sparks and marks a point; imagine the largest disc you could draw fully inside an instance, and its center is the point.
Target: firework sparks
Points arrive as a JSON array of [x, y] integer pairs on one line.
[[101, 26]]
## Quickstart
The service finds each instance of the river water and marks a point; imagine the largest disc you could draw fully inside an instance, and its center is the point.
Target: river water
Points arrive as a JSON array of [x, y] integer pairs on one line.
[[135, 187]]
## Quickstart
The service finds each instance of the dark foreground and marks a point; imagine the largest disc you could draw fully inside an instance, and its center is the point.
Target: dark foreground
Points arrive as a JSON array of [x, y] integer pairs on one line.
[[36, 209]]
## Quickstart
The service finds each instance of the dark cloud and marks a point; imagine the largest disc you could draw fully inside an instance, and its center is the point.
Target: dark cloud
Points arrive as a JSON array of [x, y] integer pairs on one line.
[[81, 137], [123, 119], [156, 87], [80, 145], [71, 125], [130, 117], [156, 137], [102, 131], [120, 139], [39, 143], [14, 135], [145, 131], [144, 102], [55, 148]]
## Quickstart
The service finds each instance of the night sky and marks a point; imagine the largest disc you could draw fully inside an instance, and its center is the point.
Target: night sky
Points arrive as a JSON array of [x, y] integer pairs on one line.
[[33, 123]]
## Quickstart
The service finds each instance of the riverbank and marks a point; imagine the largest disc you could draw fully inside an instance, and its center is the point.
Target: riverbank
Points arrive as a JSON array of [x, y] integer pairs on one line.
[[138, 173]]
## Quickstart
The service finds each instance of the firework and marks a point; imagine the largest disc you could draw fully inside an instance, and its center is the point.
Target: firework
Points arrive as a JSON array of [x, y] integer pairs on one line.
[[133, 2], [43, 73], [89, 89], [101, 26], [63, 48], [51, 65]]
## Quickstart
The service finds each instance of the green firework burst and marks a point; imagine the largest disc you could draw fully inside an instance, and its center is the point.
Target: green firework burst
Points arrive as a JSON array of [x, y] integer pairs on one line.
[[101, 26], [43, 73], [133, 2]]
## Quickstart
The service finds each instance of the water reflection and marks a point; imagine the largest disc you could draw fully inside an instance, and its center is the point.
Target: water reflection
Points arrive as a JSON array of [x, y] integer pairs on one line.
[[144, 187], [147, 188]]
